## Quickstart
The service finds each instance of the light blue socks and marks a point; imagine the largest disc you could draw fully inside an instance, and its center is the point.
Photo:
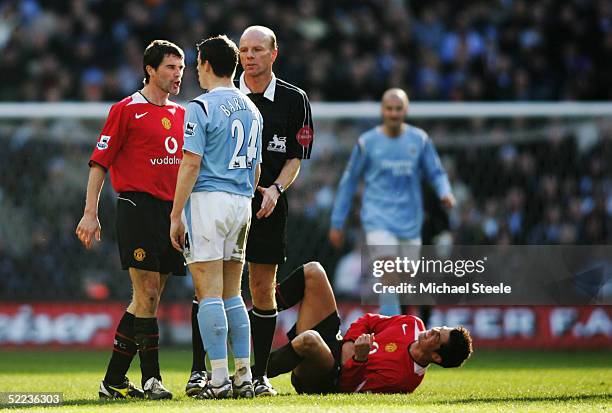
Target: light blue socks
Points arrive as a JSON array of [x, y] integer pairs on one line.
[[240, 337], [213, 328]]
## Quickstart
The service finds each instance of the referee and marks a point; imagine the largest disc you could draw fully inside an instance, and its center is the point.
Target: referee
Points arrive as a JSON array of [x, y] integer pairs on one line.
[[286, 140]]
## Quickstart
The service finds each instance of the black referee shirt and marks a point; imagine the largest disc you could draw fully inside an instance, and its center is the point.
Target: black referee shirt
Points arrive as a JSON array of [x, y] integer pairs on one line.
[[287, 131]]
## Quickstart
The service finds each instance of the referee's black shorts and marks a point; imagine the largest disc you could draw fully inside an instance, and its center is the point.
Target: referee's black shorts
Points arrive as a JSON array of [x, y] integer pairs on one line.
[[267, 242], [143, 234]]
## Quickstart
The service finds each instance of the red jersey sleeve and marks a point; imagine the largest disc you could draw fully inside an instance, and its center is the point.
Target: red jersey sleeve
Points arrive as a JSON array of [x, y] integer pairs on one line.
[[420, 324], [111, 138], [353, 374], [367, 324]]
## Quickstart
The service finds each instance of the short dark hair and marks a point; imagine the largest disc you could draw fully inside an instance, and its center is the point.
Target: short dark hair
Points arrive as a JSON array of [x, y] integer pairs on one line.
[[221, 53], [155, 53], [457, 349]]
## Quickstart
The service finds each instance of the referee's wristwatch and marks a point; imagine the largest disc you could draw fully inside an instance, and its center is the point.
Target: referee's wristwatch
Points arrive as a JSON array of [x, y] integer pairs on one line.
[[279, 187]]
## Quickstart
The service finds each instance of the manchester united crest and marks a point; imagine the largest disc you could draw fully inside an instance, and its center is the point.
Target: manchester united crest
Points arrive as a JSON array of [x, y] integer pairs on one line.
[[166, 123], [391, 347], [139, 254]]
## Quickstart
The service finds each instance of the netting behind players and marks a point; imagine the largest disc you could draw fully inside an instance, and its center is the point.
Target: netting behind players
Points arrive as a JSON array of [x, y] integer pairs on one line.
[[521, 174]]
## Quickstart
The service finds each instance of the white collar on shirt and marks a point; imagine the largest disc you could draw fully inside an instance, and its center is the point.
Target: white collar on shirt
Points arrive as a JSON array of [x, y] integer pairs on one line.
[[418, 369], [268, 93]]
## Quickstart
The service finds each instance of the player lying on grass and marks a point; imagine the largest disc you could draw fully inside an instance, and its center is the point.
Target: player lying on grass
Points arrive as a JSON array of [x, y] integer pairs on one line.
[[378, 354]]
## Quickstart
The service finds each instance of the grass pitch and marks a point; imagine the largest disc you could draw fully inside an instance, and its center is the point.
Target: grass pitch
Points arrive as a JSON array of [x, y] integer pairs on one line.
[[491, 381]]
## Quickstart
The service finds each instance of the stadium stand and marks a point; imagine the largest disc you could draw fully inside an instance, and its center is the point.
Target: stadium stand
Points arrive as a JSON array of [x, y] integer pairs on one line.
[[438, 50]]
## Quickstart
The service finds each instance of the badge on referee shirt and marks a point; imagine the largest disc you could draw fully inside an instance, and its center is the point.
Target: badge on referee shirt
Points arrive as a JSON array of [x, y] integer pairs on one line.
[[305, 136]]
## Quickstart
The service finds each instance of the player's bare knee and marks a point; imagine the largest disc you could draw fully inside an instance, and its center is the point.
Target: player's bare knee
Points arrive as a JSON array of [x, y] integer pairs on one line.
[[314, 272], [151, 294], [148, 297], [308, 342], [262, 294]]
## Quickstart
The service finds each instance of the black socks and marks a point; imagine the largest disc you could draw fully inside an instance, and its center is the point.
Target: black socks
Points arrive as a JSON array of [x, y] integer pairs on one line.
[[198, 362], [283, 360], [263, 324], [146, 333], [124, 350]]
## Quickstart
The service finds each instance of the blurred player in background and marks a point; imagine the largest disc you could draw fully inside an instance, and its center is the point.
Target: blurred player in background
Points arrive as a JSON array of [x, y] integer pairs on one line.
[[378, 354], [216, 182], [140, 144], [391, 158]]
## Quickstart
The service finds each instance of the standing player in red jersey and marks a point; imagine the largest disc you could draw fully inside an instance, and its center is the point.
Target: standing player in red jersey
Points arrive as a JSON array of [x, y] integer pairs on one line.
[[141, 145], [378, 354]]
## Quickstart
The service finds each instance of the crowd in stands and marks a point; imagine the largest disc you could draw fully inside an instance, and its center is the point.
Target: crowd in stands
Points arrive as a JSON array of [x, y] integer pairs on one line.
[[339, 50]]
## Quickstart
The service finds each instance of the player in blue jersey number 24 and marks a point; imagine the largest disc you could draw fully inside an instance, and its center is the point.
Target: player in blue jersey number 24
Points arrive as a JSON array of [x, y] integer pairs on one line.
[[212, 211]]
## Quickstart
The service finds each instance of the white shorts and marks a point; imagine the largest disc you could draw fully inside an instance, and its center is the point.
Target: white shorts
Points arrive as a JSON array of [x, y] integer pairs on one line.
[[217, 226], [381, 244]]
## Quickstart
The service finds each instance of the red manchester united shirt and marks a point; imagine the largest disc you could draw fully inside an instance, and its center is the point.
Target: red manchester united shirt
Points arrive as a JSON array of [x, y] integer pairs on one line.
[[141, 144], [389, 368]]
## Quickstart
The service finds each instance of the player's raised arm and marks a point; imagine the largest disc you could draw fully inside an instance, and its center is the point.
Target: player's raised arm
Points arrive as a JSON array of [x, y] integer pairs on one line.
[[354, 358]]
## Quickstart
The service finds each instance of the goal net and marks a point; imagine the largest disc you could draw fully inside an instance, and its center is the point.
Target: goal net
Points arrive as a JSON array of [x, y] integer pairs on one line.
[[522, 173]]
